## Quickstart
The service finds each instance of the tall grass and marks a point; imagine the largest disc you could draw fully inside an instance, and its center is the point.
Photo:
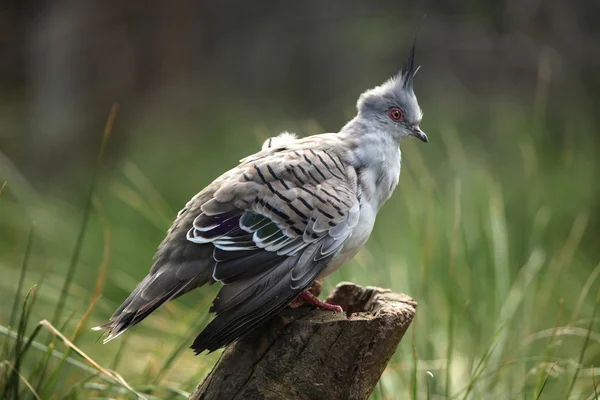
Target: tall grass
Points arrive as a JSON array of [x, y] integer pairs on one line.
[[492, 238]]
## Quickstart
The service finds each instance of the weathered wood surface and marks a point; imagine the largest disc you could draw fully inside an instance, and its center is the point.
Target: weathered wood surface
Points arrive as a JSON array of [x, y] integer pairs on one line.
[[315, 354]]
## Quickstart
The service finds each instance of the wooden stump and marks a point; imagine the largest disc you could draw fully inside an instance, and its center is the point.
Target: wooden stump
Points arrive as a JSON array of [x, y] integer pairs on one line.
[[315, 354]]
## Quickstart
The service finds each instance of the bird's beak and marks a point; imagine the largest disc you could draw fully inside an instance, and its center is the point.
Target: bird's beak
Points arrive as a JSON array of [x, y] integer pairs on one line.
[[419, 134]]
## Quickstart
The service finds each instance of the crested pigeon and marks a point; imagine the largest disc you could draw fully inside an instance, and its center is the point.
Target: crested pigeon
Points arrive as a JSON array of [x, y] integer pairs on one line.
[[285, 216]]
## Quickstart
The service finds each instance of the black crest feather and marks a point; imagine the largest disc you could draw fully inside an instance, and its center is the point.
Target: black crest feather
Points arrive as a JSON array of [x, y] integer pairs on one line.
[[408, 71]]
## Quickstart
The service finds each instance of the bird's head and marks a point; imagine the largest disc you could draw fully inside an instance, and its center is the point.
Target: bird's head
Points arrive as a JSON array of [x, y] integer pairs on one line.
[[392, 107]]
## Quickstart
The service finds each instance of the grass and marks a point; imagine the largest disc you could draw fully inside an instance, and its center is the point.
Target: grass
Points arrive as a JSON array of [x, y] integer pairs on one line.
[[494, 236]]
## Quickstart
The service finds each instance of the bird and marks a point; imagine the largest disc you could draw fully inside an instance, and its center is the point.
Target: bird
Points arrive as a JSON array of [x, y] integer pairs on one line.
[[287, 215], [282, 138]]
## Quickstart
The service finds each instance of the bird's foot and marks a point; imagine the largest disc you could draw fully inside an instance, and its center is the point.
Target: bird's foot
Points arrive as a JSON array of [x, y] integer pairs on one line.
[[307, 297]]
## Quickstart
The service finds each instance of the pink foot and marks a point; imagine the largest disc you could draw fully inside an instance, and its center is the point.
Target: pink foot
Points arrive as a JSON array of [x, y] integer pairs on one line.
[[307, 297]]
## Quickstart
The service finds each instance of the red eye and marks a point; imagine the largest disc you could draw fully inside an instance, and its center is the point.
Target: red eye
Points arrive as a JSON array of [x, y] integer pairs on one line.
[[396, 114]]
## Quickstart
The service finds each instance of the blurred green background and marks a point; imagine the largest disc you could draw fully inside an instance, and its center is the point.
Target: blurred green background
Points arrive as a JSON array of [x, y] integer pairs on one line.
[[493, 230]]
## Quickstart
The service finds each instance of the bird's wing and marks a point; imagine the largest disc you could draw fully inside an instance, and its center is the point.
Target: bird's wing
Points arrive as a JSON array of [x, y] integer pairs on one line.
[[275, 222]]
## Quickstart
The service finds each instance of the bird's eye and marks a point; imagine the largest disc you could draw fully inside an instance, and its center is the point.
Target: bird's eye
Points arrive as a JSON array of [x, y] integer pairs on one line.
[[396, 114]]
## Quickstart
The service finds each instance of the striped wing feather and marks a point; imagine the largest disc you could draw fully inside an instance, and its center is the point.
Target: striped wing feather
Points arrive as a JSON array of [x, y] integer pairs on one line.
[[274, 227], [265, 229]]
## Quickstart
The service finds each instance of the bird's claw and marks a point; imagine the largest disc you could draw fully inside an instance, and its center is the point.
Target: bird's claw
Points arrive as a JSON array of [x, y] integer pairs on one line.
[[307, 297]]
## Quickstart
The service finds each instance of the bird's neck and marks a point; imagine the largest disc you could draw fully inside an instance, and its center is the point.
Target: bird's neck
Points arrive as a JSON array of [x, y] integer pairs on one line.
[[376, 156]]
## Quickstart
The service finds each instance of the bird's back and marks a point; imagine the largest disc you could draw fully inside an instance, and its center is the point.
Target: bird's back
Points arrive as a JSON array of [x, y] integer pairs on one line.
[[265, 229]]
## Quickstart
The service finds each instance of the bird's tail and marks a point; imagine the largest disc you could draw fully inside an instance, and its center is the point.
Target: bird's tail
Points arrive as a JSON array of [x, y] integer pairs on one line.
[[160, 286]]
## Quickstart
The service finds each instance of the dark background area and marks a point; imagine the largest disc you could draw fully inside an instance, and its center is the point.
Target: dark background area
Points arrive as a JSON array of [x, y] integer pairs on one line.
[[64, 63]]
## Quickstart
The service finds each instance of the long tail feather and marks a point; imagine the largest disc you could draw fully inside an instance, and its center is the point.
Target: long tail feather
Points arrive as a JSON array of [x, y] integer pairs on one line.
[[162, 285]]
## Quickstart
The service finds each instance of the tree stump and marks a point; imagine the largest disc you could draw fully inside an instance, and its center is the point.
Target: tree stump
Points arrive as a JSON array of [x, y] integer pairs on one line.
[[306, 353]]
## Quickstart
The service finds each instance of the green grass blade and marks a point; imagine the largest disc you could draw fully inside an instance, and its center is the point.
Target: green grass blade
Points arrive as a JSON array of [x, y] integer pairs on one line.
[[62, 366], [48, 381], [549, 347], [114, 377], [77, 385], [415, 363], [22, 327], [28, 385], [449, 350], [48, 349], [539, 395], [522, 282], [29, 341], [428, 375], [53, 380], [13, 380], [20, 349], [119, 353], [42, 366], [454, 245], [175, 393], [595, 384], [183, 345], [564, 257], [480, 367], [85, 219], [584, 292], [17, 302], [584, 348]]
